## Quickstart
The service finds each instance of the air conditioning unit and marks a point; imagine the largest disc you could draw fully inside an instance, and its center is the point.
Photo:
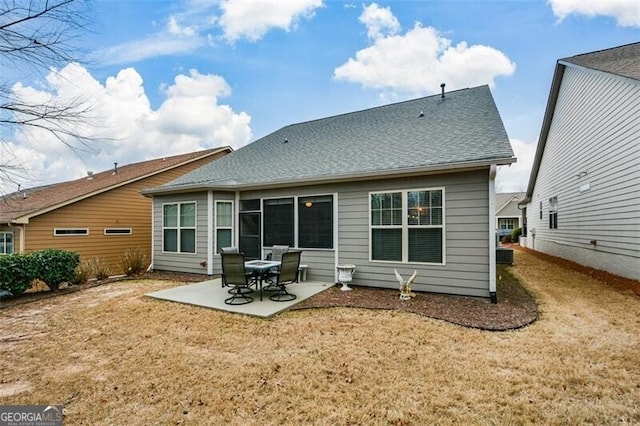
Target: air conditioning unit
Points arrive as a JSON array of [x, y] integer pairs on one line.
[[504, 255]]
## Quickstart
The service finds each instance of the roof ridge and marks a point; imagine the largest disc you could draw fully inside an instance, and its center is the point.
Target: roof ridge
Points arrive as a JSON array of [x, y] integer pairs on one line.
[[344, 114], [594, 52]]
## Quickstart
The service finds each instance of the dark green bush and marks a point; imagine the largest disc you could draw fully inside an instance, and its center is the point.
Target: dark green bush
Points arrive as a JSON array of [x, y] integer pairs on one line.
[[55, 266], [515, 234], [17, 272]]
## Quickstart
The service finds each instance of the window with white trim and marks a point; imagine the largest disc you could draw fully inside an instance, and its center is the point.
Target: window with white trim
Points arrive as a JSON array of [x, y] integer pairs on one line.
[[179, 227], [506, 223], [224, 224], [407, 226], [71, 232], [553, 213], [6, 242], [118, 231]]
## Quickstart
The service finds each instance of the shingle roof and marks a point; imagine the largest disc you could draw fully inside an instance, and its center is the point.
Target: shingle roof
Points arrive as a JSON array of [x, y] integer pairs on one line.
[[43, 198], [425, 133], [504, 198], [621, 60]]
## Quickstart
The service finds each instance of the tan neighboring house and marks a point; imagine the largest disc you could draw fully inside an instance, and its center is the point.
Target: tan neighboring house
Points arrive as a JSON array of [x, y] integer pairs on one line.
[[100, 215]]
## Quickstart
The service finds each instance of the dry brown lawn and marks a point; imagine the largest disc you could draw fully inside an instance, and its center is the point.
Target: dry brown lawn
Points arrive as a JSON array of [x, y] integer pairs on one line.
[[113, 356]]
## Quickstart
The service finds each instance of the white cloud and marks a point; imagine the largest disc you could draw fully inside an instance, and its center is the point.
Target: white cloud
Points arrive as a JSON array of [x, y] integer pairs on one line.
[[625, 12], [379, 21], [252, 20], [418, 61], [160, 44], [174, 28], [190, 118], [515, 178]]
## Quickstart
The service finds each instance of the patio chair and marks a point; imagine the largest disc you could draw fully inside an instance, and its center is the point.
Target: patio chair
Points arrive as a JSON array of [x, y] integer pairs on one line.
[[287, 274], [234, 275], [277, 252], [276, 255]]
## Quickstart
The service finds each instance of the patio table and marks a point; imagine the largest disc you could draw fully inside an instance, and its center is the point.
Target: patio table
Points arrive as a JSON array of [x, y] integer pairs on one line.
[[260, 269]]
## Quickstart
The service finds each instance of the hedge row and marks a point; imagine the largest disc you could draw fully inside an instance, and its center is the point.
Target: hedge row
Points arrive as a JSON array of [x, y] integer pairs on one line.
[[52, 266]]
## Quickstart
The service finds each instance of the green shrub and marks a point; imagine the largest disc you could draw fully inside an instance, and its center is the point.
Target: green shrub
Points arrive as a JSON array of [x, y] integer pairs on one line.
[[515, 234], [17, 272], [134, 261], [55, 266]]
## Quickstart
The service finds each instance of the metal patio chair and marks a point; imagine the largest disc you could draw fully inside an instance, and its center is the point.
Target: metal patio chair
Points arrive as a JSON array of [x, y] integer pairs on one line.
[[235, 275], [287, 274]]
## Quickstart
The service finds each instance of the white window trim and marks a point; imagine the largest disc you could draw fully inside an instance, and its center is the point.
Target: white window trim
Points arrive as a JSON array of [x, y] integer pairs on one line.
[[4, 242], [405, 227], [115, 231], [178, 228], [84, 234], [216, 227]]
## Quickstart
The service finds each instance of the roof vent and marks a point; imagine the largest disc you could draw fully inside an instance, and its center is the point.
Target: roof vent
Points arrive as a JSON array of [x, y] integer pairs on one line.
[[285, 140], [442, 89], [421, 114], [89, 175], [115, 168]]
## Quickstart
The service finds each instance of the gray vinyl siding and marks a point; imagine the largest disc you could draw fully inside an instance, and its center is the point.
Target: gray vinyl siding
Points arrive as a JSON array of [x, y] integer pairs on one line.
[[466, 270], [466, 256], [181, 262], [594, 139]]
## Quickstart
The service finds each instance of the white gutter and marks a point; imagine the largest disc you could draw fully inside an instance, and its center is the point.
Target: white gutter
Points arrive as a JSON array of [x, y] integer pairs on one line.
[[492, 234]]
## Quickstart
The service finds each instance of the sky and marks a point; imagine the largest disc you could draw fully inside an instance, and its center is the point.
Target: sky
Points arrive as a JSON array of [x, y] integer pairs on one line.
[[169, 77]]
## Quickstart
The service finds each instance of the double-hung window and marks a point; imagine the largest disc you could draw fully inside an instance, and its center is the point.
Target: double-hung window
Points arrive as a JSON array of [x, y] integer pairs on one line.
[[553, 213], [6, 242], [408, 226], [224, 224], [179, 227]]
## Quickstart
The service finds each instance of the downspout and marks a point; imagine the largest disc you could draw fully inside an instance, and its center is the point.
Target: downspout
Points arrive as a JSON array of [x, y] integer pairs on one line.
[[153, 233], [210, 233], [336, 238], [492, 235]]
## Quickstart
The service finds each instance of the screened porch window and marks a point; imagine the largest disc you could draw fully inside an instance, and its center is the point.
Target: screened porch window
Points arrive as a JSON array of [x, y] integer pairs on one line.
[[179, 227], [315, 222], [408, 226], [278, 222], [224, 224]]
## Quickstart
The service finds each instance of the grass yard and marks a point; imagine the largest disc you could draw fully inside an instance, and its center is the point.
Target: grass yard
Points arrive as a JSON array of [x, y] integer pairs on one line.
[[113, 356]]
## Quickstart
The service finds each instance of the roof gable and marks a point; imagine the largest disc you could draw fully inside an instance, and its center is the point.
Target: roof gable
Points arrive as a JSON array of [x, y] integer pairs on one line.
[[621, 60], [430, 132], [34, 201]]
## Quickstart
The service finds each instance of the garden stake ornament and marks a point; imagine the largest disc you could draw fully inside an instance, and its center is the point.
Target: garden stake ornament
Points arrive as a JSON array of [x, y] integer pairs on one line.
[[405, 286]]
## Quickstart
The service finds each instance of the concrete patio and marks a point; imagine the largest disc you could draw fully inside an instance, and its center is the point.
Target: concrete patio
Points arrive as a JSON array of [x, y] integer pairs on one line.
[[210, 294]]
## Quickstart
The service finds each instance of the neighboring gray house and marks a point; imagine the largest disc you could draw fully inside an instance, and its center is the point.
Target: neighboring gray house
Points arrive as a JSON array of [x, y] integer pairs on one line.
[[508, 215], [583, 199], [408, 186]]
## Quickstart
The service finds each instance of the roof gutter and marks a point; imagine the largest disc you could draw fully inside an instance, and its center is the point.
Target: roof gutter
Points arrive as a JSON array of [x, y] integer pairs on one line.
[[447, 168]]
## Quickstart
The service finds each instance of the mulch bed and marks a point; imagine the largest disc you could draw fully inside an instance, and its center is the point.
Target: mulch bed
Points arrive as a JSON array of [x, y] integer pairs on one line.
[[515, 307]]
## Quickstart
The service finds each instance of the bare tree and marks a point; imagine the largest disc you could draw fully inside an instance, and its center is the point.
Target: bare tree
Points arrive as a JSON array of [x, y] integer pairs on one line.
[[35, 37]]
